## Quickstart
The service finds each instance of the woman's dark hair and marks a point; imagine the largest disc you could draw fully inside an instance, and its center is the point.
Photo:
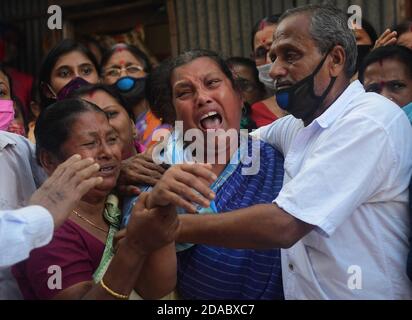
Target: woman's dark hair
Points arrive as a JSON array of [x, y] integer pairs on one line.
[[404, 27], [110, 90], [159, 89], [261, 24], [53, 127], [88, 40], [64, 47], [400, 53], [251, 65], [370, 30], [136, 52]]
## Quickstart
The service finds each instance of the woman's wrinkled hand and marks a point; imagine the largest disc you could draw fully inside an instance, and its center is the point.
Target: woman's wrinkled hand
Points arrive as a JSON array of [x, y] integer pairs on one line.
[[150, 230], [183, 185], [139, 169]]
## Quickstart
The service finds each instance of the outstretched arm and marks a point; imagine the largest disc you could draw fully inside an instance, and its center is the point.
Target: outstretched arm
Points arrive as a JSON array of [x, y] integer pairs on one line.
[[259, 227]]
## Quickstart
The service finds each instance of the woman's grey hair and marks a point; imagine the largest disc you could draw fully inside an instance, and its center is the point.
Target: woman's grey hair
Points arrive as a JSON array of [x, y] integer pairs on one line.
[[329, 27]]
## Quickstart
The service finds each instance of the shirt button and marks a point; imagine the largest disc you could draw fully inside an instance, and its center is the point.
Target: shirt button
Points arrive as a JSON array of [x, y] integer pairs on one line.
[[291, 267]]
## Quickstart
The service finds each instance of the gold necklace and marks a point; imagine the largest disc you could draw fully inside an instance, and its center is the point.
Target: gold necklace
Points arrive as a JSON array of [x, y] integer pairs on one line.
[[89, 222]]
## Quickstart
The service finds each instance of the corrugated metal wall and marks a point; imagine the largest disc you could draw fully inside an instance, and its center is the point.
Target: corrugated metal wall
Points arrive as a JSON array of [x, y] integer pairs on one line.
[[221, 25], [225, 25], [30, 16]]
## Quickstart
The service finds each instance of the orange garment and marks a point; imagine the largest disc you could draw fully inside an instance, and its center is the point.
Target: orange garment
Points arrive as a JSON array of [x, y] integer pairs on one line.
[[146, 125]]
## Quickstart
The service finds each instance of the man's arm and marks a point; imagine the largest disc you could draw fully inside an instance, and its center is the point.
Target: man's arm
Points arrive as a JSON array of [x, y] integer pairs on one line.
[[62, 191], [259, 227], [32, 227], [21, 231]]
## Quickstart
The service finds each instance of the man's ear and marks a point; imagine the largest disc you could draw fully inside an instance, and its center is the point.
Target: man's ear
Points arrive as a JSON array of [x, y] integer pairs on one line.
[[337, 64], [48, 161]]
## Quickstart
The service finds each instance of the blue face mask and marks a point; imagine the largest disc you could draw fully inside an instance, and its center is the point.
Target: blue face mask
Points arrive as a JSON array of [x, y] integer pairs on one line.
[[300, 99], [126, 84], [131, 89]]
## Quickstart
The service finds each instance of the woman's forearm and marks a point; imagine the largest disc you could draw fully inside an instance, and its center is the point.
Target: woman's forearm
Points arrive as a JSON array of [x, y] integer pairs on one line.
[[158, 275], [121, 275]]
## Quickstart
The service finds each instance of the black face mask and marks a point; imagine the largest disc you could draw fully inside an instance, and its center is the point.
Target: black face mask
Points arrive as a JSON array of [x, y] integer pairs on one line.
[[363, 51], [131, 89], [300, 99]]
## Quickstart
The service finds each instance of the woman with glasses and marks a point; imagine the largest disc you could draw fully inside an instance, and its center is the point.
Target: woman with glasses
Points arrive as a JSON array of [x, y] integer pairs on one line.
[[126, 67]]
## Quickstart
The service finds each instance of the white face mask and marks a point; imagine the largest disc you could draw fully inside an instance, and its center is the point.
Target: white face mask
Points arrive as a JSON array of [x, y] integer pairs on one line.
[[265, 78]]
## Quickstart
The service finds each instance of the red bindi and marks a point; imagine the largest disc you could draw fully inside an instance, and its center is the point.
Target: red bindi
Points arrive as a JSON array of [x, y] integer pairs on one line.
[[122, 62]]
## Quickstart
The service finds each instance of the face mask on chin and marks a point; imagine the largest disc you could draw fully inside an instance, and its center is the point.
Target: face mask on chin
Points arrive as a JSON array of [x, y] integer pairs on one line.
[[300, 99], [264, 77], [6, 114]]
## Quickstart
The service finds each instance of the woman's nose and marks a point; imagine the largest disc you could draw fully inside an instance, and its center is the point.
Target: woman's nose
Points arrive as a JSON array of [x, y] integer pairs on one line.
[[105, 151], [203, 97]]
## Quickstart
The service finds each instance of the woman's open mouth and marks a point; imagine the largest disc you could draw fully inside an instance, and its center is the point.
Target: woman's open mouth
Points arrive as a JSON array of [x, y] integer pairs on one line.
[[107, 170], [211, 121]]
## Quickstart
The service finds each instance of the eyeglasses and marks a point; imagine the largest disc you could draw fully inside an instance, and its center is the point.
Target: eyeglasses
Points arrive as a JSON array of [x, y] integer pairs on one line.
[[116, 72]]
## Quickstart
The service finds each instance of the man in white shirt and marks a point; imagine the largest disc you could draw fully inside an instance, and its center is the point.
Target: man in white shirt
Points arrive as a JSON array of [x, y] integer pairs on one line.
[[32, 226], [342, 214]]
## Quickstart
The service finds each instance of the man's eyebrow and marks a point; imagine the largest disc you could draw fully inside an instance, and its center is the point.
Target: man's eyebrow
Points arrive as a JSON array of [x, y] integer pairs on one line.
[[287, 45]]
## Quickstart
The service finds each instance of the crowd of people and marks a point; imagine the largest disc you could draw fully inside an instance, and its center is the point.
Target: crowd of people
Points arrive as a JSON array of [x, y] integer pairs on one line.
[[91, 209]]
